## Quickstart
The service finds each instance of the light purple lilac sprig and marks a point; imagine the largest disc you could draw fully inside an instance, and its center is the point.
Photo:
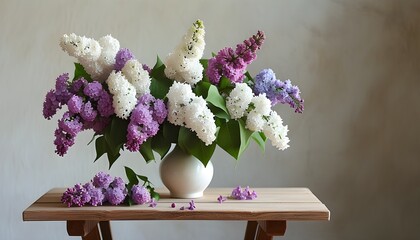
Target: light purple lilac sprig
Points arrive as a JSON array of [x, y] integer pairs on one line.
[[245, 194], [232, 63], [278, 91], [144, 121]]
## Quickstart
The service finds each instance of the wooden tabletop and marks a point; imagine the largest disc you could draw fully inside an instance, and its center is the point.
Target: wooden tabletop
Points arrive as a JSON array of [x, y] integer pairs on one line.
[[272, 204]]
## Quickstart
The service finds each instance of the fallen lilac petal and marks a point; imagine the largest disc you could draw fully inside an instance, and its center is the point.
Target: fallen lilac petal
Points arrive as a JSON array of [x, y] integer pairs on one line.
[[153, 203], [173, 205], [221, 199], [182, 208], [192, 205]]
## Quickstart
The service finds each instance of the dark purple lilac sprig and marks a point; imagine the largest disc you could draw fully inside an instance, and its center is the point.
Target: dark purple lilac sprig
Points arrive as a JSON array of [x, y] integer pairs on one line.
[[89, 107], [245, 194], [76, 196], [278, 91], [221, 199], [232, 63], [57, 97]]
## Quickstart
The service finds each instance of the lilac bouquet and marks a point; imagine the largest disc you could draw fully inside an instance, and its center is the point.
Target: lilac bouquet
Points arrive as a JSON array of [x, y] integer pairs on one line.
[[186, 100]]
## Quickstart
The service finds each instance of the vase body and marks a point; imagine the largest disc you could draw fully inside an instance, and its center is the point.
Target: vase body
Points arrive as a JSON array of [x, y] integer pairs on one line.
[[184, 175]]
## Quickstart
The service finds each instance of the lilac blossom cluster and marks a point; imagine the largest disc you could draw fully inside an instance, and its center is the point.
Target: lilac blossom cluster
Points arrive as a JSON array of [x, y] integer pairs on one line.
[[245, 194], [144, 121], [102, 189], [278, 91], [232, 63], [89, 107]]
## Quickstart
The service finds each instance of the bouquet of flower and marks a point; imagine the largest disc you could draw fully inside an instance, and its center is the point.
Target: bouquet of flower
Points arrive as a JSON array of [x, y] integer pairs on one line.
[[186, 100]]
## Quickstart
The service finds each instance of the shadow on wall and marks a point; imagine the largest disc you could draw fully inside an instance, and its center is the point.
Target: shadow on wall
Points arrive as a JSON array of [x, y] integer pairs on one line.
[[366, 61]]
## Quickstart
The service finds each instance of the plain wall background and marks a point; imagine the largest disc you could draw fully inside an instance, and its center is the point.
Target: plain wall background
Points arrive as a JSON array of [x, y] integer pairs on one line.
[[356, 146]]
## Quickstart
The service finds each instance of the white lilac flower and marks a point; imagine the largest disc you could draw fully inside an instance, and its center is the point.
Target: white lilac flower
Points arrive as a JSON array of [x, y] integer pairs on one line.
[[80, 47], [124, 94], [96, 57], [110, 47], [187, 109], [262, 105], [276, 131], [238, 100], [200, 119], [255, 121], [137, 76], [183, 65]]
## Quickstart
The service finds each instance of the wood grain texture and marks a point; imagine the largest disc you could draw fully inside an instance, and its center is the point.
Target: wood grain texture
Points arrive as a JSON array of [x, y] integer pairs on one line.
[[271, 204]]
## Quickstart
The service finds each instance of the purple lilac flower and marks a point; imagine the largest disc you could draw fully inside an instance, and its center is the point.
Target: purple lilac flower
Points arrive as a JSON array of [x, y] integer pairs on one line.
[[51, 104], [221, 199], [102, 180], [70, 124], [192, 205], [75, 104], [104, 106], [117, 183], [100, 124], [78, 196], [147, 68], [93, 90], [153, 203], [78, 85], [62, 88], [173, 205], [115, 196], [159, 111], [140, 194], [232, 64], [88, 113], [63, 141], [97, 196], [68, 127], [182, 208], [277, 90], [246, 194], [142, 124], [123, 55]]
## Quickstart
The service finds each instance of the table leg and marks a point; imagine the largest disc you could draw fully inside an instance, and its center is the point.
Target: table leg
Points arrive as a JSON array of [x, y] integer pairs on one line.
[[251, 228], [268, 229], [105, 230], [88, 230]]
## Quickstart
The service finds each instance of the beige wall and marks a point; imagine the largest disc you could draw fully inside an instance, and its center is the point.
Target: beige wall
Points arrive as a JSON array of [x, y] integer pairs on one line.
[[356, 145]]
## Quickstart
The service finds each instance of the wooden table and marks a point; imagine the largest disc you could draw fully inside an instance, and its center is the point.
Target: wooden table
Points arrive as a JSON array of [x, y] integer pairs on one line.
[[266, 215]]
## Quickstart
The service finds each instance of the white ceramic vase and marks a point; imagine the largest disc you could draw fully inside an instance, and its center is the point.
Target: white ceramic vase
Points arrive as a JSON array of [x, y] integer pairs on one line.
[[184, 175]]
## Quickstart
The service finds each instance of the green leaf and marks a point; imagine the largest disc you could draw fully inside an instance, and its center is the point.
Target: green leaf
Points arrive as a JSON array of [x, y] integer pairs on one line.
[[131, 175], [112, 158], [160, 84], [202, 88], [228, 138], [233, 137], [259, 138], [79, 72], [218, 112], [160, 144], [204, 62], [146, 151], [216, 99], [93, 138], [158, 63], [245, 136], [154, 194], [100, 146], [170, 132], [190, 143], [116, 134], [225, 85]]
